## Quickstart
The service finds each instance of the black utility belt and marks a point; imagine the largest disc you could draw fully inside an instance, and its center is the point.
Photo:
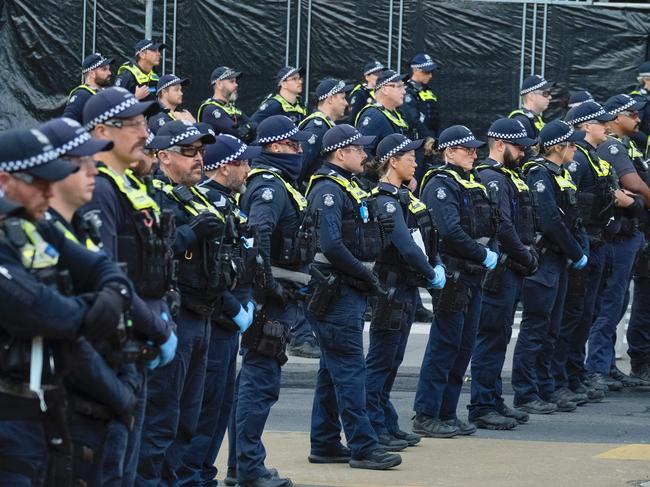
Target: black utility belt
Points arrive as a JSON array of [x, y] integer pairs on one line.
[[91, 409], [456, 264], [403, 275], [198, 306]]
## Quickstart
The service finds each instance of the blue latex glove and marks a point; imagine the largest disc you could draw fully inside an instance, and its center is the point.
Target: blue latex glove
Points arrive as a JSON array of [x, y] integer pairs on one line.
[[491, 259], [168, 349], [244, 318], [581, 264], [438, 282], [152, 364]]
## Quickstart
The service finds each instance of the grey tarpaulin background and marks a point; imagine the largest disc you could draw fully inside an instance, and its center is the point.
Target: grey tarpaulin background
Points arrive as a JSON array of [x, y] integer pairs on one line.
[[479, 44]]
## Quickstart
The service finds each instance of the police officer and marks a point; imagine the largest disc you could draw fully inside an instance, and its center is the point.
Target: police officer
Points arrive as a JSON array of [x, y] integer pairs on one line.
[[286, 241], [535, 97], [139, 77], [501, 172], [287, 101], [39, 266], [420, 104], [205, 272], [466, 220], [408, 262], [382, 117], [226, 166], [578, 97], [96, 70], [220, 110], [170, 97], [627, 161], [642, 93], [563, 242], [133, 231], [598, 198], [364, 92], [100, 387], [351, 236], [330, 94]]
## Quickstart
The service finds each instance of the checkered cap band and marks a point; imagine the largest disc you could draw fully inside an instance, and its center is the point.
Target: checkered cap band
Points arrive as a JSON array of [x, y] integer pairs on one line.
[[394, 151], [560, 139], [275, 138], [94, 66], [498, 135], [116, 110], [395, 77], [145, 47], [377, 67], [74, 143], [452, 143], [631, 102], [291, 72], [189, 132], [343, 143], [534, 87], [584, 118], [228, 73], [44, 157], [336, 89], [174, 81], [423, 65], [232, 157]]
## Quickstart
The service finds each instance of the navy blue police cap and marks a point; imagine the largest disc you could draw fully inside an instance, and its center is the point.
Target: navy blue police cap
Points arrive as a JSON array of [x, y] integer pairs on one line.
[[578, 97], [276, 128], [70, 138], [330, 87], [373, 67], [587, 112], [559, 131], [94, 61], [424, 62], [510, 130], [223, 72], [170, 80], [287, 72], [389, 76], [622, 103], [343, 135], [458, 135], [394, 144], [226, 149], [181, 133], [148, 45], [644, 69], [115, 102], [206, 128], [30, 151], [534, 83]]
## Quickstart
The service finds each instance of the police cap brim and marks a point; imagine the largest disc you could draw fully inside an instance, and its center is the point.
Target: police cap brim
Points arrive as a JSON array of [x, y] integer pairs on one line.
[[90, 147], [53, 171], [146, 108]]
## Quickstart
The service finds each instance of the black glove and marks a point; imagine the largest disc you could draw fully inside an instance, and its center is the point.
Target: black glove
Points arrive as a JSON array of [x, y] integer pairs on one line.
[[245, 132], [376, 289], [533, 264], [205, 225], [387, 223], [103, 315]]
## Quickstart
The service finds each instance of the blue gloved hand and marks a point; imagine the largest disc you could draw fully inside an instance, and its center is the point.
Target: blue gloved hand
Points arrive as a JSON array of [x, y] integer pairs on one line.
[[438, 282], [168, 349], [244, 318], [491, 259], [152, 364], [581, 264]]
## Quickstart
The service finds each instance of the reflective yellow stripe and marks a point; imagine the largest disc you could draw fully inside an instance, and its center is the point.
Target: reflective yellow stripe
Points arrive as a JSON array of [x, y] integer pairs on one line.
[[288, 107], [37, 253], [415, 205], [520, 184], [81, 87], [466, 183], [538, 122], [297, 197], [350, 187], [229, 108], [135, 180], [426, 95], [89, 244], [313, 116], [193, 208], [601, 167], [140, 77], [564, 180], [138, 198], [394, 117]]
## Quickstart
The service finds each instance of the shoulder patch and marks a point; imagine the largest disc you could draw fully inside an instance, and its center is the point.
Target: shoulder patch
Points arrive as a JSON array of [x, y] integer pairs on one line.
[[74, 97], [613, 149], [161, 121], [267, 176], [493, 185], [318, 122], [441, 194], [217, 113], [366, 121], [328, 199], [263, 107], [408, 99], [267, 194], [540, 186], [221, 202], [118, 82], [573, 167], [312, 139], [390, 207]]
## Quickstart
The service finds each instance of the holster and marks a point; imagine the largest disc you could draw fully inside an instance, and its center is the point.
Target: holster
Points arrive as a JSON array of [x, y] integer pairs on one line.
[[326, 290], [493, 279], [266, 337], [454, 297], [388, 312]]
